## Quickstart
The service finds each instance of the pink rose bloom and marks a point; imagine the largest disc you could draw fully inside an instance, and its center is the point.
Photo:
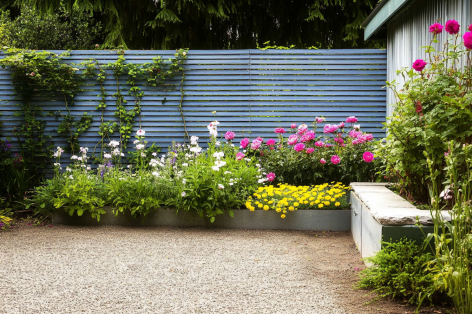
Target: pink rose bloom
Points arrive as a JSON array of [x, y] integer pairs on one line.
[[244, 142], [368, 156], [32, 74], [319, 120], [293, 126], [468, 40], [299, 147], [341, 125], [339, 140], [308, 136], [452, 27], [302, 129], [419, 65], [354, 133], [271, 142], [323, 161], [368, 137], [240, 156], [355, 142], [319, 144], [292, 140], [271, 176], [310, 150], [351, 119], [279, 130], [230, 135], [259, 139], [436, 28], [255, 144], [335, 159], [330, 128]]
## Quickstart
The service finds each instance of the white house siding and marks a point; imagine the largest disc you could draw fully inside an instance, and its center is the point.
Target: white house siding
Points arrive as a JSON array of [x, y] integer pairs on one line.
[[408, 31]]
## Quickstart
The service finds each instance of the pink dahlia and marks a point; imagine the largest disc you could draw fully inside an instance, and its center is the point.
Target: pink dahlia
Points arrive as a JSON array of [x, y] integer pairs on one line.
[[271, 176], [468, 40], [335, 159], [244, 142], [328, 128], [310, 150], [230, 135], [368, 156], [339, 140], [240, 156], [255, 144], [319, 144], [302, 129], [436, 28], [271, 142], [299, 147], [351, 119], [322, 160], [279, 130], [308, 136], [354, 133], [419, 65], [452, 27], [292, 140]]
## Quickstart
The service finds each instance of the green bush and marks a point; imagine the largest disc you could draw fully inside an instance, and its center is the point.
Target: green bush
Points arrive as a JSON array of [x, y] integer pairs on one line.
[[399, 270]]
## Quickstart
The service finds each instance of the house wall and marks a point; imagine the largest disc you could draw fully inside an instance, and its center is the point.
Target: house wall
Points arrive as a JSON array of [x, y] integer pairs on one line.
[[408, 32]]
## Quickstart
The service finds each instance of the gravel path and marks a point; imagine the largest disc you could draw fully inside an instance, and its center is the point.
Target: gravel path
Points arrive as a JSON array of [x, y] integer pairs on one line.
[[156, 270]]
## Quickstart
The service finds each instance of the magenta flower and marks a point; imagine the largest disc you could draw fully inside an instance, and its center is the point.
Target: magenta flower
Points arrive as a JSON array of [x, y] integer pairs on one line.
[[341, 125], [308, 136], [354, 133], [293, 126], [271, 176], [468, 40], [452, 27], [271, 142], [259, 139], [32, 74], [240, 156], [419, 65], [279, 130], [244, 142], [339, 140], [436, 28], [335, 159], [368, 156], [292, 140], [230, 135], [310, 150], [255, 144], [299, 147], [319, 144], [322, 160], [351, 119], [302, 129], [328, 128], [319, 120]]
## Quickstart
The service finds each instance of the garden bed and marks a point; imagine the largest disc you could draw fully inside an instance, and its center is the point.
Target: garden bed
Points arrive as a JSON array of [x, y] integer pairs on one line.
[[313, 220]]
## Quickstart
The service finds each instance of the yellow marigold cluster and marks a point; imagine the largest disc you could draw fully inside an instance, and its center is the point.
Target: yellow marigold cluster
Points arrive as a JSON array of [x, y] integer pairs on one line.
[[284, 198]]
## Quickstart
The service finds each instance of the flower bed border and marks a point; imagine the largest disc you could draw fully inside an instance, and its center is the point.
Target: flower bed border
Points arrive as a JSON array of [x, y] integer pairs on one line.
[[308, 220]]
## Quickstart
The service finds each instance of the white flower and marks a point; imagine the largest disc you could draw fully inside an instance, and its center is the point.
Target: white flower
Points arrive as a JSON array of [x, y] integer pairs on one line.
[[232, 145], [122, 155], [89, 168], [231, 183], [196, 149], [194, 140], [184, 181], [217, 143], [107, 156], [71, 176], [56, 154], [226, 172], [183, 194], [220, 163], [57, 164], [140, 132], [154, 154], [129, 166], [185, 165], [143, 155], [262, 180], [213, 133], [139, 146], [84, 150], [218, 155], [74, 157], [258, 165], [114, 144], [135, 142], [216, 168], [357, 126], [221, 186], [68, 169], [155, 173], [247, 159], [79, 158], [244, 151]]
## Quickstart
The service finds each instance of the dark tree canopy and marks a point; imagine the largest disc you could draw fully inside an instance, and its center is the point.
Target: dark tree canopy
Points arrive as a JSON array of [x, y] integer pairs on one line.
[[224, 24]]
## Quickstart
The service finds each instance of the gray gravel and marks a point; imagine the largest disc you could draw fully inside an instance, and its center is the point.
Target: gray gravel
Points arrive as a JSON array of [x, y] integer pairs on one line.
[[155, 270]]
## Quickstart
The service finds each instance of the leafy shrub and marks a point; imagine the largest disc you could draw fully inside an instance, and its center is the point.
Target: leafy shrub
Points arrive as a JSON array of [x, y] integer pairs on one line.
[[286, 198], [399, 270]]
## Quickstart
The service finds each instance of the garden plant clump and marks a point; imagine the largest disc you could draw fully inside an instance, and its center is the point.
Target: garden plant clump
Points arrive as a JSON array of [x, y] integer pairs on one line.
[[285, 198]]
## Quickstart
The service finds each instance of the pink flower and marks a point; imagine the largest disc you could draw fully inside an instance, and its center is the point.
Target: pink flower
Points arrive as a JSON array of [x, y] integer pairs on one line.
[[319, 120], [335, 159], [354, 133], [322, 160], [292, 140], [351, 119], [271, 176], [328, 128], [436, 28], [293, 126], [468, 40], [32, 74], [452, 27], [446, 154], [259, 139], [368, 156], [308, 136], [299, 147], [339, 140], [419, 65], [310, 150], [279, 130], [302, 129], [368, 137], [255, 144], [341, 125], [240, 156], [319, 144], [244, 142], [230, 135], [271, 142]]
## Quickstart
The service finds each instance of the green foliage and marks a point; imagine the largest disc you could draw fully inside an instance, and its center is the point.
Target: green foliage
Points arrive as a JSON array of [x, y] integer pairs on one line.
[[225, 24], [58, 30], [399, 271]]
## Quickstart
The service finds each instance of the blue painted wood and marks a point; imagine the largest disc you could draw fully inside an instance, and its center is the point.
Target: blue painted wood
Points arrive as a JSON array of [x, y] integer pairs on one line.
[[252, 92]]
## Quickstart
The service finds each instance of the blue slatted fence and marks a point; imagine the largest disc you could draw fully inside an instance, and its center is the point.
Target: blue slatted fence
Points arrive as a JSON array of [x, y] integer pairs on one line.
[[252, 91]]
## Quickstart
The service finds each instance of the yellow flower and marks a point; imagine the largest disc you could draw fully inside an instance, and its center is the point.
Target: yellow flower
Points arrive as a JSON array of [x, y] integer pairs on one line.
[[264, 195], [296, 204], [260, 205], [317, 201], [282, 216], [270, 202], [291, 208], [266, 207], [278, 210], [337, 204], [320, 206]]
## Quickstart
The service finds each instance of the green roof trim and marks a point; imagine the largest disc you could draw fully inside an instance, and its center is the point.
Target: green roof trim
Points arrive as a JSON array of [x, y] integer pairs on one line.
[[388, 10]]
